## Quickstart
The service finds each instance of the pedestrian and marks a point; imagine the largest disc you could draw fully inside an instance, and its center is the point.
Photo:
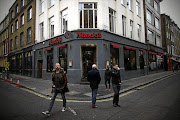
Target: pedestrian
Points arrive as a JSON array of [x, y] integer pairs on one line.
[[107, 77], [94, 79], [116, 84], [59, 85]]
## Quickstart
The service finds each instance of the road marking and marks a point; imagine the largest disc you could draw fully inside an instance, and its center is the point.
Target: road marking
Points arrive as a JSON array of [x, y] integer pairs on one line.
[[73, 111]]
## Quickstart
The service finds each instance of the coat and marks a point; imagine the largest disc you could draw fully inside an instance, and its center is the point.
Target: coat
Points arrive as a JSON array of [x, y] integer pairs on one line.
[[116, 79], [107, 74], [94, 78]]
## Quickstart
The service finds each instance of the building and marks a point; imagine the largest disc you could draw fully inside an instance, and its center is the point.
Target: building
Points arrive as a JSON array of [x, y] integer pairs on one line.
[[21, 36], [78, 33], [4, 42], [171, 41], [153, 38]]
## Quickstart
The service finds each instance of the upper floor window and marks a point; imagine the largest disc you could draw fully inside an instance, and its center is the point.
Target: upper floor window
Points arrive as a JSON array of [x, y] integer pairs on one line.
[[124, 25], [16, 9], [11, 44], [155, 6], [88, 15], [51, 27], [139, 31], [41, 27], [22, 19], [112, 19], [156, 23], [22, 3], [29, 14], [131, 28], [41, 6], [150, 37], [11, 28], [130, 4], [149, 1], [64, 20], [21, 39], [122, 2], [158, 42], [138, 8], [16, 25], [29, 35], [51, 3], [15, 42], [148, 16], [12, 14]]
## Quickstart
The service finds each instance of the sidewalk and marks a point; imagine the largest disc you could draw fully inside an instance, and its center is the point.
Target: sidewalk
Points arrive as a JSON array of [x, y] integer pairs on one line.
[[83, 92]]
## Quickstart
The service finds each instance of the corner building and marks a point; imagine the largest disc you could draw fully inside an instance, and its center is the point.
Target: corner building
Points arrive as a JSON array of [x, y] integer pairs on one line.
[[79, 33]]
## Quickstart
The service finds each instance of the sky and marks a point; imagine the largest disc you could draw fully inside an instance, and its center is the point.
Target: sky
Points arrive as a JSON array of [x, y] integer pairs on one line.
[[169, 7]]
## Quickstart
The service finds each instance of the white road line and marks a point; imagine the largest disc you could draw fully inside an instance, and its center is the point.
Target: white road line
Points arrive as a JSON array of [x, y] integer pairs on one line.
[[74, 112]]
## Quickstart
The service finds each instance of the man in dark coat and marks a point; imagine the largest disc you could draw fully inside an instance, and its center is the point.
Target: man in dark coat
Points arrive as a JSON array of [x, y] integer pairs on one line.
[[94, 79], [116, 84]]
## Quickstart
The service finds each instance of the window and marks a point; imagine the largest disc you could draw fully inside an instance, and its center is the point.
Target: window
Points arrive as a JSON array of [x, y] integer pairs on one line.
[[158, 41], [63, 57], [149, 1], [51, 27], [152, 62], [88, 15], [122, 2], [64, 20], [138, 8], [41, 6], [124, 25], [139, 31], [130, 59], [160, 62], [130, 4], [167, 34], [114, 53], [131, 28], [29, 14], [29, 35], [41, 31], [150, 37], [16, 25], [148, 16], [155, 6], [50, 60], [16, 9], [11, 44], [11, 28], [156, 23], [12, 14], [141, 59], [51, 3], [22, 3], [22, 19], [15, 42], [112, 20], [21, 39]]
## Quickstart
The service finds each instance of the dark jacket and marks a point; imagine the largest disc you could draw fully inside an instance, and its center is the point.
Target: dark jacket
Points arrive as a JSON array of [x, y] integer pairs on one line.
[[107, 74], [116, 79], [94, 78], [61, 81]]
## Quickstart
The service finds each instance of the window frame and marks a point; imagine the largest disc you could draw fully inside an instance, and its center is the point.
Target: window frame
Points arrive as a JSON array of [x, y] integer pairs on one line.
[[29, 13], [21, 38], [124, 25], [22, 19], [138, 8], [64, 15], [29, 35], [148, 13], [112, 20], [131, 29], [41, 27], [51, 23], [128, 59]]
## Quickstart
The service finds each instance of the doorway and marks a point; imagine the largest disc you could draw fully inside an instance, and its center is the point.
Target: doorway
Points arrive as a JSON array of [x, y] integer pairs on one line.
[[40, 69], [88, 53]]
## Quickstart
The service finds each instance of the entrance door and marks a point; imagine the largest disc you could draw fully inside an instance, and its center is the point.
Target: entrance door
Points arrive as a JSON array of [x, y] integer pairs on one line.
[[40, 69], [88, 59]]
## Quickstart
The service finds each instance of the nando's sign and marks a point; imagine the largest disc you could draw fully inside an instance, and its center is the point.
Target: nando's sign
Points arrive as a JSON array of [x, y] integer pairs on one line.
[[93, 35], [57, 40]]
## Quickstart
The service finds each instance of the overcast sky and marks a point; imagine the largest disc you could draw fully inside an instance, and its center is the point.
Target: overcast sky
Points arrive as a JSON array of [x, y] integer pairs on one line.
[[170, 7]]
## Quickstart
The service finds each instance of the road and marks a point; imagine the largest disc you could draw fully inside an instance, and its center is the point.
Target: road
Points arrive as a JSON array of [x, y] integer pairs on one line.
[[159, 100]]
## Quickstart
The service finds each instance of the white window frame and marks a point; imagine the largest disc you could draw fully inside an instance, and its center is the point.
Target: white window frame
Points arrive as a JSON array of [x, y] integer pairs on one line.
[[155, 5], [112, 19], [41, 31], [51, 3], [16, 25], [124, 25], [17, 9], [41, 6], [158, 40], [29, 14], [139, 31], [130, 5], [123, 2], [156, 22], [51, 23], [150, 36], [22, 19], [29, 34], [148, 16], [138, 8], [94, 9], [131, 29], [64, 21]]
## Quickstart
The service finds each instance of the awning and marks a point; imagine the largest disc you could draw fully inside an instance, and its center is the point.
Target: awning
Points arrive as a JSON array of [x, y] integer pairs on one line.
[[130, 48], [153, 53], [141, 49], [160, 54], [60, 46], [115, 45], [47, 49]]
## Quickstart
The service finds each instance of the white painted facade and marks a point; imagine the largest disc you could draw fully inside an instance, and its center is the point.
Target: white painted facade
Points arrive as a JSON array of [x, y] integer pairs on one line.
[[73, 16]]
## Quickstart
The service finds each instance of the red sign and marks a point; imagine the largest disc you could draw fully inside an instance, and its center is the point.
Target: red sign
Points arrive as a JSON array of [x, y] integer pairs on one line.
[[80, 35], [58, 40], [152, 48]]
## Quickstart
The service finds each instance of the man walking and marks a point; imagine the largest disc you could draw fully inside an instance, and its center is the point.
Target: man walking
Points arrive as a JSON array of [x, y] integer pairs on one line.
[[94, 79], [116, 83], [59, 82]]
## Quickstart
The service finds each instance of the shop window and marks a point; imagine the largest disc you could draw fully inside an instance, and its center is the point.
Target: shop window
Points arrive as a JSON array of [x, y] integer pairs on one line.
[[130, 59], [63, 58], [28, 63], [50, 60], [141, 59], [160, 62], [152, 62], [114, 53]]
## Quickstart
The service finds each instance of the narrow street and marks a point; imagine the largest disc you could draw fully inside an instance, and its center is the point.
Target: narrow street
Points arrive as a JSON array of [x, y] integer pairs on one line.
[[155, 101]]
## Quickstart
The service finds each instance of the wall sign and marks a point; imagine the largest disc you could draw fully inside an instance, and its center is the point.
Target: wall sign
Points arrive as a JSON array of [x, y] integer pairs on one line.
[[57, 40], [93, 35]]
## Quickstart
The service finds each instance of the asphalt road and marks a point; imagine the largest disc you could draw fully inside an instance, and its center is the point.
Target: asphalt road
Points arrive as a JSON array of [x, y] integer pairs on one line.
[[156, 101]]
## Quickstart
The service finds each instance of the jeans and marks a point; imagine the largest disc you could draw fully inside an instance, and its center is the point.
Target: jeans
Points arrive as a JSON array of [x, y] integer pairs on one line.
[[55, 92], [94, 93], [116, 89], [107, 80]]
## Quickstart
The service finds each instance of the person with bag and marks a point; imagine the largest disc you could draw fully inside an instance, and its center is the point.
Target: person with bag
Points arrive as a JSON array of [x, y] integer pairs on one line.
[[94, 79], [59, 85]]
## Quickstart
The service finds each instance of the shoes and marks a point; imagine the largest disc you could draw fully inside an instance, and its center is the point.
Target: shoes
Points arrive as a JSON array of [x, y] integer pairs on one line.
[[94, 106], [46, 113], [116, 105], [63, 109], [106, 89], [109, 89]]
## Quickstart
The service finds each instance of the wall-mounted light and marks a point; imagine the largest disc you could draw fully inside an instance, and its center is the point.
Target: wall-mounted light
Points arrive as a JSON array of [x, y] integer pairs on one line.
[[69, 46], [127, 3]]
